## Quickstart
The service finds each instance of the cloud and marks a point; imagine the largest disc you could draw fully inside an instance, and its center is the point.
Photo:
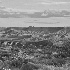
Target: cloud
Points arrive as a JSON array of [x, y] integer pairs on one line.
[[3, 8], [0, 1], [54, 3], [18, 10]]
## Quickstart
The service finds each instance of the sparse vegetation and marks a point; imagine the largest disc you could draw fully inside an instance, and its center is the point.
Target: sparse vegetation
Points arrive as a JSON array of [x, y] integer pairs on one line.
[[32, 49]]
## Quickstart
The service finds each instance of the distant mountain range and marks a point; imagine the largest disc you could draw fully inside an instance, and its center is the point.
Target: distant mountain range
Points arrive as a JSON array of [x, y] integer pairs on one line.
[[10, 13]]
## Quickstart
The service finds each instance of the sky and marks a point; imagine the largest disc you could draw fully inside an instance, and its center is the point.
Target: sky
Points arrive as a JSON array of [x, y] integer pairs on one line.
[[33, 6], [36, 5]]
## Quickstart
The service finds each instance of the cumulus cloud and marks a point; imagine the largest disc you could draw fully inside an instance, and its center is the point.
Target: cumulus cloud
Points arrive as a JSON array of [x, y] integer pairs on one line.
[[18, 10], [54, 3], [3, 8]]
